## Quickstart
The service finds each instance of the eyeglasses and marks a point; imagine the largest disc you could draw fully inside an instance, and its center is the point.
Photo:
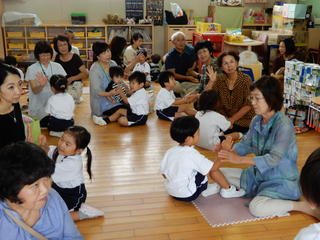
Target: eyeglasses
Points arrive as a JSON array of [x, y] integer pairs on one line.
[[255, 98]]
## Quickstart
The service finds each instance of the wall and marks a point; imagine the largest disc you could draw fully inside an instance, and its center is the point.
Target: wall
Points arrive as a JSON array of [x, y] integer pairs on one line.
[[58, 11], [315, 6]]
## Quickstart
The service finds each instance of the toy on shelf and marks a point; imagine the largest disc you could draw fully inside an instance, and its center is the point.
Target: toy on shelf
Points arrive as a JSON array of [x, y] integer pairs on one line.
[[113, 19]]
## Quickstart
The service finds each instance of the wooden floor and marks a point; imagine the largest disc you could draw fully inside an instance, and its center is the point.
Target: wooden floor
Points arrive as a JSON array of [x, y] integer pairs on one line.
[[127, 186]]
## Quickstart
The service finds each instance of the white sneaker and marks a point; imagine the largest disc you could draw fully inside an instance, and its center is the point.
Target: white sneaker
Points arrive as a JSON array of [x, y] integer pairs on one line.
[[55, 134], [86, 211], [232, 192], [98, 120], [211, 189]]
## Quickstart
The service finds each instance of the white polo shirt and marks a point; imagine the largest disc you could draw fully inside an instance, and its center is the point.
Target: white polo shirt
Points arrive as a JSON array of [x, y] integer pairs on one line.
[[180, 165], [211, 125], [145, 68], [139, 102], [164, 99]]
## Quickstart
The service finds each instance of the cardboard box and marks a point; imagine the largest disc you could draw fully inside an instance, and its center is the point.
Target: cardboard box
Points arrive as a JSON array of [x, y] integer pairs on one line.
[[313, 38], [295, 24], [235, 39], [277, 22], [15, 34], [300, 37], [202, 27]]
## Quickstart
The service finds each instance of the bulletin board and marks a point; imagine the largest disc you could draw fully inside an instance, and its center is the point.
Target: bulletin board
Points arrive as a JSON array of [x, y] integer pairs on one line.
[[155, 11], [134, 9]]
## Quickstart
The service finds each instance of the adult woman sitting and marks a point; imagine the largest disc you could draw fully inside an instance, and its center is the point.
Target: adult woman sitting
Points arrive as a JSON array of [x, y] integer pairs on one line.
[[99, 80], [11, 124], [38, 75], [272, 177], [29, 208], [131, 51], [287, 50], [117, 46], [72, 64], [233, 89]]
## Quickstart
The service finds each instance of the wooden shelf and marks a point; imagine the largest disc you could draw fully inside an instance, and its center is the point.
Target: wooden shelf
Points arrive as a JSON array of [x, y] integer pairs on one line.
[[51, 30], [257, 25]]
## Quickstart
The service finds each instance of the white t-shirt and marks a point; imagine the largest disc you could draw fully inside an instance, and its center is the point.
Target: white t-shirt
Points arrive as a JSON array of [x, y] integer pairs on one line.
[[129, 54], [312, 232], [75, 50], [21, 74], [139, 102], [61, 106], [38, 101], [145, 68], [180, 165], [211, 125], [68, 170], [164, 99]]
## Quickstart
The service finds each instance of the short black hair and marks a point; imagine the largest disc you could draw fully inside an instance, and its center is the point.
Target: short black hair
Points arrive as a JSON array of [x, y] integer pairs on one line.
[[208, 100], [10, 60], [61, 38], [42, 47], [98, 48], [21, 164], [116, 71], [59, 82], [164, 77], [203, 44], [233, 54], [135, 37], [137, 76], [184, 127], [290, 46], [309, 178], [271, 91], [5, 70], [155, 58], [143, 51]]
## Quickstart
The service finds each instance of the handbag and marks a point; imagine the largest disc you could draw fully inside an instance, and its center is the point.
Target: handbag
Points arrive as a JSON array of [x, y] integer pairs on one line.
[[25, 226]]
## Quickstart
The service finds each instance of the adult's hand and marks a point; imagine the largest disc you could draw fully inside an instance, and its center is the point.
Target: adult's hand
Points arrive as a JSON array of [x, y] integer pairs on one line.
[[193, 79], [42, 79], [211, 74], [229, 156]]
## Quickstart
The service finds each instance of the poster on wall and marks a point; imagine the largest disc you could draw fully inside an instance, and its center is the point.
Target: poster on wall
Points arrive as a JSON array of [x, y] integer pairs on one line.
[[155, 11], [134, 9]]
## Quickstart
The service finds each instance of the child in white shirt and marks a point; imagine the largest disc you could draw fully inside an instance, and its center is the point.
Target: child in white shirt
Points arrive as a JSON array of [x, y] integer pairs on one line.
[[143, 66], [309, 181], [185, 169], [138, 110], [212, 123], [60, 106], [165, 104], [68, 179]]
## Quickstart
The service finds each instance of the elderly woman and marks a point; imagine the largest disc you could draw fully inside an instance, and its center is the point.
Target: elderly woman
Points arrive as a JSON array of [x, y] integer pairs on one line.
[[72, 64], [38, 75], [11, 124], [99, 80], [233, 89], [272, 177], [181, 60], [29, 208]]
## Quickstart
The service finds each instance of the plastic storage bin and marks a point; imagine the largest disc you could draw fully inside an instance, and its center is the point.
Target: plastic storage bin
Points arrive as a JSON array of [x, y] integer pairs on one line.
[[78, 18], [202, 27]]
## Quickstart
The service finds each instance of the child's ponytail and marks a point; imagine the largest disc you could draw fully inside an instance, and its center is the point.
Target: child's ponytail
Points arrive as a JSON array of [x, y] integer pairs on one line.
[[89, 161]]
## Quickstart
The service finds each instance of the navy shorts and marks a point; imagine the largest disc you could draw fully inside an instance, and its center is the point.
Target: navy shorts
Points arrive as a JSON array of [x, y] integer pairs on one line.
[[167, 113], [73, 197], [200, 188], [136, 120], [114, 109]]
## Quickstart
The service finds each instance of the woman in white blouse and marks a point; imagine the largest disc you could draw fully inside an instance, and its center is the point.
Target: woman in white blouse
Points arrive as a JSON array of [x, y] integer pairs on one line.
[[38, 75]]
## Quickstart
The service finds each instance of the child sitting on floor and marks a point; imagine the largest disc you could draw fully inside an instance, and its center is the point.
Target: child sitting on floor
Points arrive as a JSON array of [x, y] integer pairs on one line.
[[309, 181], [212, 123], [138, 110], [60, 106], [185, 169], [117, 81], [166, 100], [143, 66], [155, 66], [68, 179]]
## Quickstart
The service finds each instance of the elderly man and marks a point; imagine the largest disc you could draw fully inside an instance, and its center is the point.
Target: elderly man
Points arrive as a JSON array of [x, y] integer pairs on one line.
[[70, 35], [181, 60]]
